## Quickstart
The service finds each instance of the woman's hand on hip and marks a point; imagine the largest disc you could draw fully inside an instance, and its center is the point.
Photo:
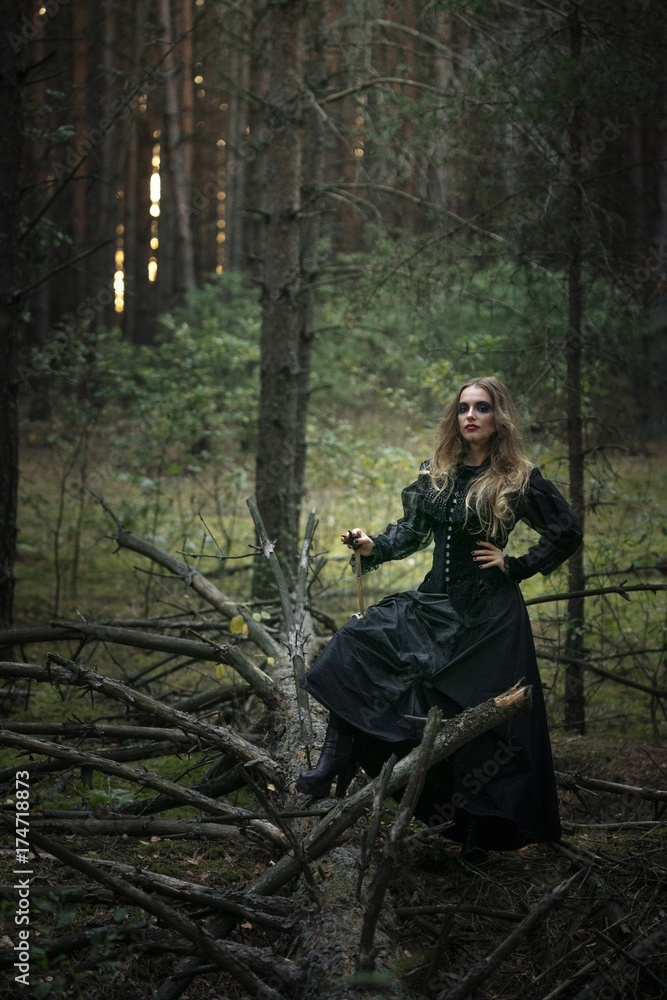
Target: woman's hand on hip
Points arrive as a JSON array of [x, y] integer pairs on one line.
[[358, 540], [487, 554]]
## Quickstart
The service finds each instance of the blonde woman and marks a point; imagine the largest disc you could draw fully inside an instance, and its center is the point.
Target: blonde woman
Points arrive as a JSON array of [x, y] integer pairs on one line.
[[462, 637]]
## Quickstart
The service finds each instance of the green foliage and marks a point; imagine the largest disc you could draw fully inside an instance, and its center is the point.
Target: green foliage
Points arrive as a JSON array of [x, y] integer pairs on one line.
[[416, 325], [194, 390]]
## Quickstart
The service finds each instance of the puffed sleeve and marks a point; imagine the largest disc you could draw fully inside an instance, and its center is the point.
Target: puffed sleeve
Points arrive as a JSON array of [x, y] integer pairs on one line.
[[545, 510], [410, 533]]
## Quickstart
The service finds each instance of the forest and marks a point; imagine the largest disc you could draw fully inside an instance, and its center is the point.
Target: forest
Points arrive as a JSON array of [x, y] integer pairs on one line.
[[249, 249]]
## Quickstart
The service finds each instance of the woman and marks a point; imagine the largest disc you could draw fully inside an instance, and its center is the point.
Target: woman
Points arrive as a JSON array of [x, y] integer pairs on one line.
[[462, 637]]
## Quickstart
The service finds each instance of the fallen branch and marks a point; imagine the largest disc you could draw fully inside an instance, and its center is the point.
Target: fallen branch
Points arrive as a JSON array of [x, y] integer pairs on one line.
[[601, 672], [597, 592], [482, 970], [97, 731], [194, 579], [140, 776], [61, 671], [214, 652], [481, 911], [572, 781], [248, 902], [122, 826], [223, 954], [274, 913], [393, 843]]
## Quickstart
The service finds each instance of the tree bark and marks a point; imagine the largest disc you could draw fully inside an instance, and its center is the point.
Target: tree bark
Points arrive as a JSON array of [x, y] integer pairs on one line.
[[312, 186], [173, 152], [11, 116], [276, 487], [575, 705]]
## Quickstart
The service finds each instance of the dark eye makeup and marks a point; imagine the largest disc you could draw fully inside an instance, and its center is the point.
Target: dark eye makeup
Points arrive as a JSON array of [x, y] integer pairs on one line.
[[481, 407]]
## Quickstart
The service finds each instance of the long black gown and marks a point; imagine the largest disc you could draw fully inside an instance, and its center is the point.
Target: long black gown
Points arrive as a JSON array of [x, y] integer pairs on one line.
[[462, 637]]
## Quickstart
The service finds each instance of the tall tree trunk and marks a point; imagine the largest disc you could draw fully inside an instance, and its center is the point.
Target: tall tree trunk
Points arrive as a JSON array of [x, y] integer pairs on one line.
[[106, 263], [184, 271], [280, 377], [238, 65], [11, 116], [575, 707], [254, 191], [311, 190]]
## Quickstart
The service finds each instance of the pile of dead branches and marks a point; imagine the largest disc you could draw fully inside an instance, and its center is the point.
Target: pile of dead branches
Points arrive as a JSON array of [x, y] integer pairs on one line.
[[283, 897]]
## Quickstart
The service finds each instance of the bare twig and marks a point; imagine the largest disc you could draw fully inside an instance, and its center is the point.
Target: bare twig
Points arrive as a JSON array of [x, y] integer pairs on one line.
[[597, 592], [371, 831], [393, 843], [482, 970]]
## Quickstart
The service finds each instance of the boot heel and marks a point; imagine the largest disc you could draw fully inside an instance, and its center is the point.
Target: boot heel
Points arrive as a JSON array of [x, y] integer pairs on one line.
[[313, 784], [345, 776]]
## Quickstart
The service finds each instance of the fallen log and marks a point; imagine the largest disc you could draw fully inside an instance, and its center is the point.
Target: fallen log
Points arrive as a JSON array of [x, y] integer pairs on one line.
[[455, 733], [323, 978], [122, 826]]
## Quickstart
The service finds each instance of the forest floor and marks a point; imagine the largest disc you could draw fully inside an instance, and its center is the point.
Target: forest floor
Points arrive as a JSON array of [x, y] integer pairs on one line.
[[606, 938], [446, 919]]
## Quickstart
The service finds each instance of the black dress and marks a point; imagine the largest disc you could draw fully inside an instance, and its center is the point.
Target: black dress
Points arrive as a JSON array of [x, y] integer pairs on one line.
[[462, 637]]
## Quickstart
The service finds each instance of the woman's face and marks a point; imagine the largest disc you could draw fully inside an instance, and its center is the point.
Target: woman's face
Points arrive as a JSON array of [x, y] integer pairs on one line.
[[477, 423]]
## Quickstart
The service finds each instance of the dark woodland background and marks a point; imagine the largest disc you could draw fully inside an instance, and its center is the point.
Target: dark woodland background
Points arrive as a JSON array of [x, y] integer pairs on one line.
[[250, 247]]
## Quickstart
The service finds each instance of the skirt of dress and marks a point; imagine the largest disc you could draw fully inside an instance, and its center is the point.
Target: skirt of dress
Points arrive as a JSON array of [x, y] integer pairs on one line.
[[412, 651]]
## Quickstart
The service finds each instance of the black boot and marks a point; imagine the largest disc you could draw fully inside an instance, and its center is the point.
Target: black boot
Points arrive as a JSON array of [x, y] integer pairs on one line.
[[472, 852], [336, 760]]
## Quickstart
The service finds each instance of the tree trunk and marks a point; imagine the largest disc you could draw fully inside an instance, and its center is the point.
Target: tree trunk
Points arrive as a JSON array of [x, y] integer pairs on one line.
[[575, 709], [237, 117], [11, 148], [311, 191], [184, 270], [280, 377]]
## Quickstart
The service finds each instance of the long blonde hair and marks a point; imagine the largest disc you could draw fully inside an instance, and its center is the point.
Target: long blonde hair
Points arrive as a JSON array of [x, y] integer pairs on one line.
[[491, 493]]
